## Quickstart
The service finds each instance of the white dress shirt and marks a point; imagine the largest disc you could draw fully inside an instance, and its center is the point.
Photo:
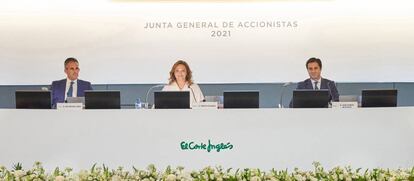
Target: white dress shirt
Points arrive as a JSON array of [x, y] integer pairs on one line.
[[319, 83], [194, 89], [74, 88]]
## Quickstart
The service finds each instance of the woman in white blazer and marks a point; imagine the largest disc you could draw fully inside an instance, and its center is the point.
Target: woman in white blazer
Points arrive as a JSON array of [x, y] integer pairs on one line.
[[181, 80]]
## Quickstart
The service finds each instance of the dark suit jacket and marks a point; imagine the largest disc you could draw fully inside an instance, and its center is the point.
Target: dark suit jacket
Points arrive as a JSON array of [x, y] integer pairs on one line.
[[59, 88], [325, 84]]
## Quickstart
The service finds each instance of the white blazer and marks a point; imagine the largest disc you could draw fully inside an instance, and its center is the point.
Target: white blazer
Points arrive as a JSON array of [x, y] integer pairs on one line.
[[194, 89]]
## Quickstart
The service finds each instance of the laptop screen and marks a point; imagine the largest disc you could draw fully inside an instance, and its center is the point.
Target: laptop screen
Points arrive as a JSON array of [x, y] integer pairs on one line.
[[33, 99], [172, 99]]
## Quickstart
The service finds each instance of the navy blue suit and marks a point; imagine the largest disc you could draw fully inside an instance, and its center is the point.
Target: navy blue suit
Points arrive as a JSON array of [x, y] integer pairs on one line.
[[59, 88], [325, 84]]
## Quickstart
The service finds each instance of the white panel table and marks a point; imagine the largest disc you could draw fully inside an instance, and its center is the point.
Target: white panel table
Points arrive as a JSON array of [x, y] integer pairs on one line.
[[262, 138]]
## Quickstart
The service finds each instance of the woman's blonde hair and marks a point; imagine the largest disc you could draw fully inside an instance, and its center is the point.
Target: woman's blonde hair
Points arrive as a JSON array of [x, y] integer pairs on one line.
[[188, 78]]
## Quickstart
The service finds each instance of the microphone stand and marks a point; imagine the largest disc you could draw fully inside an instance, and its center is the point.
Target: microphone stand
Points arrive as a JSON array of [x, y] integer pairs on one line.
[[149, 91], [283, 92], [192, 91]]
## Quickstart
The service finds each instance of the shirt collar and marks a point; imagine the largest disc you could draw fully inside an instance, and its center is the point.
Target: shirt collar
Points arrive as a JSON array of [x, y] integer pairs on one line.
[[68, 81], [319, 81]]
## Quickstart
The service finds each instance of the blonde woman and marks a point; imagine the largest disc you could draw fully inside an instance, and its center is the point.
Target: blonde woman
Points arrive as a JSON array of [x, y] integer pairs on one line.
[[181, 80]]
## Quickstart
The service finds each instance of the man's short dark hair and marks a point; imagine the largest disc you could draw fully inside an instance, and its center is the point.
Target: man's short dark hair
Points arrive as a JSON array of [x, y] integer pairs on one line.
[[313, 59], [70, 59]]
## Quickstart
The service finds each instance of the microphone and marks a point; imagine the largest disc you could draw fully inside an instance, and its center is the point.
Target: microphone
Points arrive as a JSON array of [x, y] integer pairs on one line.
[[283, 92], [330, 91], [192, 91], [150, 89]]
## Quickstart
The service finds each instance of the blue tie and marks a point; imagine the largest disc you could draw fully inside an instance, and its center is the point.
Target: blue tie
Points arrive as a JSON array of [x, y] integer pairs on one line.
[[70, 91]]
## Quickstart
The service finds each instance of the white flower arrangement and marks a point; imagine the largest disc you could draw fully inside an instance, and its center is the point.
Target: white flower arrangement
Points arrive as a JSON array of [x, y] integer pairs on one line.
[[96, 173]]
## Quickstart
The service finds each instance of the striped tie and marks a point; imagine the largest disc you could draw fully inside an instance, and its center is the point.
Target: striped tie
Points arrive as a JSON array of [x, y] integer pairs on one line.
[[316, 85]]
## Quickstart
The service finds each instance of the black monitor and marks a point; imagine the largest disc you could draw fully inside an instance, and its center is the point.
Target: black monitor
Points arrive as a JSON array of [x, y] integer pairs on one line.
[[310, 98], [241, 99], [102, 99], [379, 98], [32, 99], [172, 99]]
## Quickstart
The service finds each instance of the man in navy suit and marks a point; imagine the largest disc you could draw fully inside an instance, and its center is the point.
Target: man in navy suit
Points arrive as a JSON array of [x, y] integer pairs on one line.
[[316, 82], [71, 86]]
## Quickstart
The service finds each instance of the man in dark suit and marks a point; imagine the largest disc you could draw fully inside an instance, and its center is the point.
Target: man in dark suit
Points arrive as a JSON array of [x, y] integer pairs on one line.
[[71, 86], [316, 82]]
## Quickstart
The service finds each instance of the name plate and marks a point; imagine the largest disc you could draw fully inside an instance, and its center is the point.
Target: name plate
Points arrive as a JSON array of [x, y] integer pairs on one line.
[[69, 106], [205, 105], [344, 104]]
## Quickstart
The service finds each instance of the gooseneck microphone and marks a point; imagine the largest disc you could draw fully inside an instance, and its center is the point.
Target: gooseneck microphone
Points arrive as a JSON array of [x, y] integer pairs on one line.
[[150, 89], [283, 92], [192, 91], [330, 91]]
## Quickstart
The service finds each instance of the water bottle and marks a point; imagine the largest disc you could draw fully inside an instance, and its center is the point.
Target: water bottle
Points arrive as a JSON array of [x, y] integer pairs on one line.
[[138, 104]]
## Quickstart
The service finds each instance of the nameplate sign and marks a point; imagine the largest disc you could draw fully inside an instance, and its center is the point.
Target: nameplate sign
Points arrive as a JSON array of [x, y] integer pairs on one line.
[[344, 104], [205, 105], [69, 106]]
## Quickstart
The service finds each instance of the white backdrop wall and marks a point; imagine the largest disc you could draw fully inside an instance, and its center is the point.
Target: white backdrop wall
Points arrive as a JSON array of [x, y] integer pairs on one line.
[[356, 40]]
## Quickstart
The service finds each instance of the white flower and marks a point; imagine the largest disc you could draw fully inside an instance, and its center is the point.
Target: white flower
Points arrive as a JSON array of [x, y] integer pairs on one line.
[[313, 178], [59, 178], [255, 178], [184, 176], [391, 179], [299, 177], [335, 177], [404, 175], [19, 173], [83, 175], [116, 178], [171, 177]]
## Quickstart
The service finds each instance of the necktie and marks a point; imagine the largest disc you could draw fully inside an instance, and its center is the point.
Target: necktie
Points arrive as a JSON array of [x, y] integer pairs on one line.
[[316, 85], [70, 91]]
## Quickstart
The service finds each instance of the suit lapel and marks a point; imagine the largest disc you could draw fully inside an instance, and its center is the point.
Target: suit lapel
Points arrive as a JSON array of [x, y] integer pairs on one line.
[[309, 84], [323, 84], [62, 88], [79, 88]]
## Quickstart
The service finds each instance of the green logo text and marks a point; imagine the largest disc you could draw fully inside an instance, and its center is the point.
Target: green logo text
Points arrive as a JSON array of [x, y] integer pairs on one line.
[[203, 146]]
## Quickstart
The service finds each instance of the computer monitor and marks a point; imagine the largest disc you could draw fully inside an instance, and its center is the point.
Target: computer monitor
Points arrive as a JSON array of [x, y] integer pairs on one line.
[[33, 99], [172, 99], [241, 99], [379, 98], [310, 98], [102, 99]]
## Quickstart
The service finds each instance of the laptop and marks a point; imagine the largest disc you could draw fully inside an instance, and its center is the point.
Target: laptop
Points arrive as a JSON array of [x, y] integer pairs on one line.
[[102, 99], [172, 99], [241, 99], [310, 98], [33, 99], [379, 98]]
